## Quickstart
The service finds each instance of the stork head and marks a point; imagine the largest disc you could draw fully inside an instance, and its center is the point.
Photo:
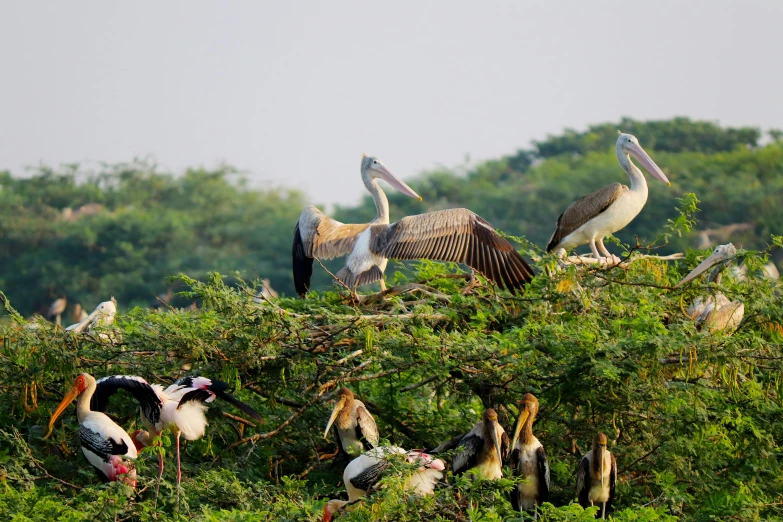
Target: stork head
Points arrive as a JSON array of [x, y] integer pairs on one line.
[[332, 507], [141, 439], [81, 383], [722, 254], [490, 419], [528, 409], [628, 144], [373, 168], [600, 440], [344, 399]]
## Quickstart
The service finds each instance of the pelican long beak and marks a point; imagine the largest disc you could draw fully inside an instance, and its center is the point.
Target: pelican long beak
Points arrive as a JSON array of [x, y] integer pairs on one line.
[[396, 182], [649, 165], [521, 419], [335, 412], [720, 254], [67, 400], [493, 433]]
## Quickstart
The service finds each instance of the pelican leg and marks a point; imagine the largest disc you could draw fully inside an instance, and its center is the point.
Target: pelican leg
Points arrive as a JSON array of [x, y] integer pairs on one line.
[[601, 259], [600, 243]]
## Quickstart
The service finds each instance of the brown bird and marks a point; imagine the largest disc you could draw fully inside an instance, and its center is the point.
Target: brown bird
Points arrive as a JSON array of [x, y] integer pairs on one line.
[[354, 427], [455, 234], [528, 459], [596, 477], [483, 450]]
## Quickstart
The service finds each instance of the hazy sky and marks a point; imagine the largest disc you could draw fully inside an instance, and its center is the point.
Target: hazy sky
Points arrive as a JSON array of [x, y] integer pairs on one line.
[[294, 92]]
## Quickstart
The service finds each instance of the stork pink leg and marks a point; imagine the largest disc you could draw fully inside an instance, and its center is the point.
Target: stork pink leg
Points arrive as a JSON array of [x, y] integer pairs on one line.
[[179, 469]]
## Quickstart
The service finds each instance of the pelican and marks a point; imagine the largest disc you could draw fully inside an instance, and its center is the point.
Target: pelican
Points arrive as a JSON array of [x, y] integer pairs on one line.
[[103, 315], [354, 427], [591, 218], [483, 450], [106, 446], [179, 408], [455, 234], [597, 477], [364, 472], [528, 459], [57, 308], [715, 311]]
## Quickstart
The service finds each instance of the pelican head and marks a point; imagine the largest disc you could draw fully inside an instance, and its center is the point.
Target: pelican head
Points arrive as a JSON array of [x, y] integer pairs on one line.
[[629, 145], [373, 168], [344, 398], [722, 254], [79, 385], [528, 408], [490, 419]]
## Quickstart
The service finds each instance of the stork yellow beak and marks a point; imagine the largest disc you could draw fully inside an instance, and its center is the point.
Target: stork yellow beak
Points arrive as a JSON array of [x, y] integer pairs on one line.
[[335, 412], [521, 419], [67, 400]]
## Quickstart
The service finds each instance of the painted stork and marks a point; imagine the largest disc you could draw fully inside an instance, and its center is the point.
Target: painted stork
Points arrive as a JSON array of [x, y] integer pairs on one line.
[[106, 446], [596, 477], [591, 218], [354, 427], [528, 459], [57, 308], [715, 311], [179, 408], [483, 450], [455, 234], [364, 472]]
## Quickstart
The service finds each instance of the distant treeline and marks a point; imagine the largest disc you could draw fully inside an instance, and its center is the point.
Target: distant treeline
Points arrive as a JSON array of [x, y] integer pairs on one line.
[[124, 230]]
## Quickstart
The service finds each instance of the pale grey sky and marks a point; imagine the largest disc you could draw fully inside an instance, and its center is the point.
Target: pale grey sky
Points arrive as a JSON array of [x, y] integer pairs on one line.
[[294, 92]]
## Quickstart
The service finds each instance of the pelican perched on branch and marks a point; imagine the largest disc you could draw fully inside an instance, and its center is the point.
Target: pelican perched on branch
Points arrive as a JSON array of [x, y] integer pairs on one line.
[[591, 218], [715, 311], [528, 459], [354, 427], [596, 477], [106, 446], [483, 450], [455, 234], [103, 315], [363, 473]]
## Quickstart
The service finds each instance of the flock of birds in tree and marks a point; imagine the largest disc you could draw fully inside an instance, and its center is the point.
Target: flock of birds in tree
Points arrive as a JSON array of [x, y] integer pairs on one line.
[[456, 235]]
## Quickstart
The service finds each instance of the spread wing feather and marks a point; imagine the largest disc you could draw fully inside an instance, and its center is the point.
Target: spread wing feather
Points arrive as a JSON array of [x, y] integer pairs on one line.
[[141, 390], [457, 235], [583, 210]]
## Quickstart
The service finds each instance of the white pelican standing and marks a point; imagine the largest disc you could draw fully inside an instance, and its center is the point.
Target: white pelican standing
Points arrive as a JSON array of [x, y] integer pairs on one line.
[[596, 477], [364, 472], [483, 450], [354, 427], [455, 234], [591, 218], [528, 459], [106, 446], [715, 311]]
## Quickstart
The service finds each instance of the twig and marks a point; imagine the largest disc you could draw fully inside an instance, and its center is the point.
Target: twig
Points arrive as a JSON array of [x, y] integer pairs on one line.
[[238, 419]]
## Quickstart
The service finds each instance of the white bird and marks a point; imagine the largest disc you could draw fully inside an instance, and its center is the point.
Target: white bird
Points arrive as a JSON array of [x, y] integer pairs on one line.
[[106, 446], [354, 427], [455, 234], [528, 459], [101, 317], [483, 449], [591, 218], [363, 473], [715, 311], [596, 477]]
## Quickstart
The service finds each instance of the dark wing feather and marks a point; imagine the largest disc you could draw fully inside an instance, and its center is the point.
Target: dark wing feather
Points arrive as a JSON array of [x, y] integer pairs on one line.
[[100, 445], [583, 482], [467, 453], [517, 471], [139, 388], [457, 235], [369, 476], [612, 484], [303, 265], [583, 210], [543, 475], [218, 389], [196, 395], [366, 429]]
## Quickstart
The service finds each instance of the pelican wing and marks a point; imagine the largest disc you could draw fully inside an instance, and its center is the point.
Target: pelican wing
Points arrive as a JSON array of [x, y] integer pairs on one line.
[[140, 389], [366, 430], [457, 235], [583, 482], [467, 453], [726, 318], [543, 475], [318, 235], [583, 210]]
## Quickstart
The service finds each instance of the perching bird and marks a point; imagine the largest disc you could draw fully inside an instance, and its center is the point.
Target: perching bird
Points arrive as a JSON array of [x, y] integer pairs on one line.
[[57, 308], [591, 218], [483, 450], [179, 408], [354, 427], [715, 311], [106, 446], [102, 316], [596, 477], [79, 314], [528, 459], [455, 234], [364, 472]]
